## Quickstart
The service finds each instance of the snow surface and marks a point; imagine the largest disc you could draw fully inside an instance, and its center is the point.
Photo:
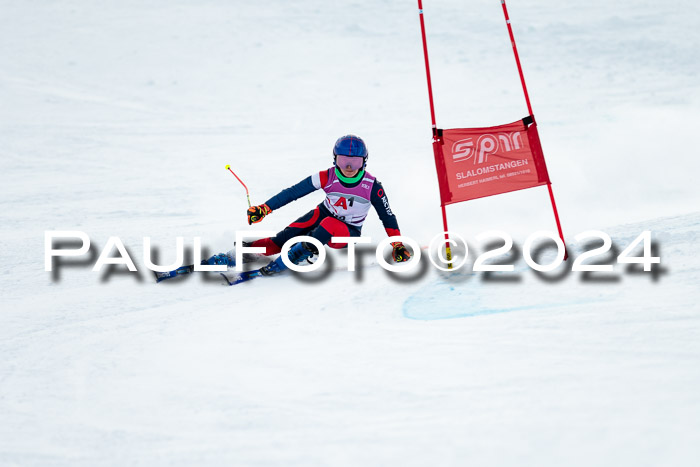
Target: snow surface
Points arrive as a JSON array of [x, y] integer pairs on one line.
[[117, 119]]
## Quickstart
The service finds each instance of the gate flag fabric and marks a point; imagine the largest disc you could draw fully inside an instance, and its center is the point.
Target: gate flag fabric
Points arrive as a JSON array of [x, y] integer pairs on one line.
[[478, 162]]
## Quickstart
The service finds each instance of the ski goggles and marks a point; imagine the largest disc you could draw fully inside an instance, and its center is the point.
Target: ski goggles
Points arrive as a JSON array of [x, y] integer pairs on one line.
[[349, 162]]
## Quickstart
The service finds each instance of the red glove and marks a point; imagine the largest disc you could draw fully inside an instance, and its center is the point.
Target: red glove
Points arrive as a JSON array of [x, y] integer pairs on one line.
[[256, 213], [400, 253]]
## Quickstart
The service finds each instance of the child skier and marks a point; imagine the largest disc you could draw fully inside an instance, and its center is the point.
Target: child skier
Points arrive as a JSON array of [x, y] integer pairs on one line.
[[350, 190]]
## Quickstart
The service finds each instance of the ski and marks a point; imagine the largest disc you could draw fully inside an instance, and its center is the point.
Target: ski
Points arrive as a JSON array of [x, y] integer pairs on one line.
[[221, 259], [188, 269], [242, 276], [238, 278], [161, 276]]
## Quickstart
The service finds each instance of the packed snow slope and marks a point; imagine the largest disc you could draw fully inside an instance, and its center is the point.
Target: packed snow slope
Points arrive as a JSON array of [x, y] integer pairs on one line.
[[118, 118]]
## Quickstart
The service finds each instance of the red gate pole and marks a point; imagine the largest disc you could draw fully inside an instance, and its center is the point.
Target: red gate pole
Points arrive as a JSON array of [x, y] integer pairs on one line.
[[448, 250], [517, 57], [529, 109], [427, 66]]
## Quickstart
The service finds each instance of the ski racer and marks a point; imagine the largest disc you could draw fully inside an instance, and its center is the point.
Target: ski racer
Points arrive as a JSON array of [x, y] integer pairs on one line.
[[350, 191]]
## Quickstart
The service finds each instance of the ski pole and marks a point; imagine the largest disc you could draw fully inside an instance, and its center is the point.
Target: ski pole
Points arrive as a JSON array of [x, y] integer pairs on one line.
[[228, 167]]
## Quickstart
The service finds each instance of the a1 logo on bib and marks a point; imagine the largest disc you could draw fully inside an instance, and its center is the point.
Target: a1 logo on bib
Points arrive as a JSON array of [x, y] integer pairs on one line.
[[342, 202]]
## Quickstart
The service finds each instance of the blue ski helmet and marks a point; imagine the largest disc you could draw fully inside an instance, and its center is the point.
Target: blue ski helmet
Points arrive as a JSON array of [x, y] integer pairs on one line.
[[351, 145]]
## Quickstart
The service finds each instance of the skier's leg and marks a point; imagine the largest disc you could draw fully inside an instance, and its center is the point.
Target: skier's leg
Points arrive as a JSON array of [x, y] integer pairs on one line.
[[301, 226], [327, 228], [272, 245], [332, 227], [298, 253]]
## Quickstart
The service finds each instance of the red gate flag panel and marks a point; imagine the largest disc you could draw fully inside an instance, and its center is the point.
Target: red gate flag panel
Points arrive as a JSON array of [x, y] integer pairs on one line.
[[478, 162]]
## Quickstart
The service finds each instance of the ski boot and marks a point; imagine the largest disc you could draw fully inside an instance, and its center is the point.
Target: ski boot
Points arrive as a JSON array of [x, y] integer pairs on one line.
[[300, 252], [229, 258], [220, 259]]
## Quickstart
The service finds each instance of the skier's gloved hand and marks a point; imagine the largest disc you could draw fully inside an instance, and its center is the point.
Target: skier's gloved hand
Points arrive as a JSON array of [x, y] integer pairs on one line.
[[400, 253], [256, 213]]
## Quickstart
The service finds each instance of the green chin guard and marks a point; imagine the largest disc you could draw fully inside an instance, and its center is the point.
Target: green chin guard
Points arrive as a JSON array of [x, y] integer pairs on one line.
[[345, 179]]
